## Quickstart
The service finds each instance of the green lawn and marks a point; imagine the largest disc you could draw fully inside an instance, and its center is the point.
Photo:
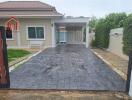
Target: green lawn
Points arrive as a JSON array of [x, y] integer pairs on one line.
[[16, 53]]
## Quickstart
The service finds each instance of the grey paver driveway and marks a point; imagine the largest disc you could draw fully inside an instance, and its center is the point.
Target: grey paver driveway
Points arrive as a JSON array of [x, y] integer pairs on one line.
[[66, 67]]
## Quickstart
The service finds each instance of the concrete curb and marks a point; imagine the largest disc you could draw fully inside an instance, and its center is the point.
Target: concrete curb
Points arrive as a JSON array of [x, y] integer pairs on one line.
[[23, 61], [110, 65], [12, 63]]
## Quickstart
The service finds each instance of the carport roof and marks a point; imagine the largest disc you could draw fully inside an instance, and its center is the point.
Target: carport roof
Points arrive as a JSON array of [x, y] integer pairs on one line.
[[73, 21]]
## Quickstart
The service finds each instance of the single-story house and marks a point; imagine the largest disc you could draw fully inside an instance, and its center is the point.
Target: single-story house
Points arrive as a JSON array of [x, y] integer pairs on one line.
[[40, 25]]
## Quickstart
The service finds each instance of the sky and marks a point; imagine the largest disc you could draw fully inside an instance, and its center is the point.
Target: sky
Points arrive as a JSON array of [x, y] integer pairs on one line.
[[89, 8]]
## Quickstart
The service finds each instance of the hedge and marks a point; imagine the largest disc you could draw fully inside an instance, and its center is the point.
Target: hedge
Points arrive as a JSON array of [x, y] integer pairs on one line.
[[103, 27], [102, 34], [127, 35]]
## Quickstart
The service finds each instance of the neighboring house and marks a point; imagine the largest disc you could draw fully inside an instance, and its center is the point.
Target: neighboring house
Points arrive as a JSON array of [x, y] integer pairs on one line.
[[40, 25], [116, 42]]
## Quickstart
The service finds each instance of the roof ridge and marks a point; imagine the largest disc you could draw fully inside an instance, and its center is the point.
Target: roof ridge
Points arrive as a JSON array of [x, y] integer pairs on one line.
[[13, 4], [26, 6], [29, 1], [45, 3]]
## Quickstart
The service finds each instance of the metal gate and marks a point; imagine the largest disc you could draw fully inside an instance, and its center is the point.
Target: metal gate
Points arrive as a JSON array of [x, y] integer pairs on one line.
[[4, 70]]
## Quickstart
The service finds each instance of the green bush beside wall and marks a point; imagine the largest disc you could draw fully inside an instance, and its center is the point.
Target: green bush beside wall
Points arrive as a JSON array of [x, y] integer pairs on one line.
[[103, 27], [127, 35], [102, 31]]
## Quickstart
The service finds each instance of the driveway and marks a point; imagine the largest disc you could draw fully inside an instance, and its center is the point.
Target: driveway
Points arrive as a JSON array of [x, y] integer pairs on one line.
[[66, 67]]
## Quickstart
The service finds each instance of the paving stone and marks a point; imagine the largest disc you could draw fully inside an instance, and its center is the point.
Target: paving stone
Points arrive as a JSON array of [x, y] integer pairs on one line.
[[66, 67]]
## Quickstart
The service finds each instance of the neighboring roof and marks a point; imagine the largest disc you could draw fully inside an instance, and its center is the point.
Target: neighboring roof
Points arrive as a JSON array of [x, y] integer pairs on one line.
[[18, 8]]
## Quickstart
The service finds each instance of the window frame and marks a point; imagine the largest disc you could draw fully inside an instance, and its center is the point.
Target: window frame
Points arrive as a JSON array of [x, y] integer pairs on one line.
[[35, 38]]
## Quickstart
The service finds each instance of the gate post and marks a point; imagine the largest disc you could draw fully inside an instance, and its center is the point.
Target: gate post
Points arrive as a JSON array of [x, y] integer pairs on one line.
[[129, 72], [129, 76], [4, 73]]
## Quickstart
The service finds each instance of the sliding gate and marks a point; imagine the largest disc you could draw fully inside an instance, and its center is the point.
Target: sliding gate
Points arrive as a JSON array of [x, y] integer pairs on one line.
[[4, 71]]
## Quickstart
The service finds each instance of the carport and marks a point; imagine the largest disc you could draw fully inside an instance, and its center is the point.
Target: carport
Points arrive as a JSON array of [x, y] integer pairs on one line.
[[72, 31]]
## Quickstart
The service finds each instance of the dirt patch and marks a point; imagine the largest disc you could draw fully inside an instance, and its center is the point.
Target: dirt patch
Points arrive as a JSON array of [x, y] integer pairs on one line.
[[61, 95], [117, 63]]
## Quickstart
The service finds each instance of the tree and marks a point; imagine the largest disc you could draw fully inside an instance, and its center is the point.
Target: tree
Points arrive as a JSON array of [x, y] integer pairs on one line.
[[92, 24], [115, 20], [104, 25]]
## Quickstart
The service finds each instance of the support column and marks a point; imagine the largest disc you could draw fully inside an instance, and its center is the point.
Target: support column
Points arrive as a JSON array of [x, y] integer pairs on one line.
[[87, 35], [83, 35], [53, 34]]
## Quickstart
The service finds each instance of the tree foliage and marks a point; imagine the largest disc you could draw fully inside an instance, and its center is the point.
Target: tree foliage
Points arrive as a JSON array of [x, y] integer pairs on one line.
[[115, 20], [104, 25], [92, 24]]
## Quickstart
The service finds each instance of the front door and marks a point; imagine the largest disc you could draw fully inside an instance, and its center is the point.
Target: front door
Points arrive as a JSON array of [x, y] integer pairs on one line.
[[62, 37]]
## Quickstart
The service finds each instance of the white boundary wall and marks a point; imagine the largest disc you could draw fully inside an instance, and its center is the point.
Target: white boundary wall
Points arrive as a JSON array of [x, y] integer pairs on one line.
[[116, 42]]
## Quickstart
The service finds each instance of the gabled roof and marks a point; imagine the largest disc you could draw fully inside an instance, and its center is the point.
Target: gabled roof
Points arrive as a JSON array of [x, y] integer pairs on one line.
[[25, 5], [18, 8]]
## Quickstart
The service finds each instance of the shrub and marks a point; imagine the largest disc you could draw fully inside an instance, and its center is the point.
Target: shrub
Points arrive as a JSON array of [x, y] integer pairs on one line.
[[103, 27], [127, 35], [93, 43], [102, 34]]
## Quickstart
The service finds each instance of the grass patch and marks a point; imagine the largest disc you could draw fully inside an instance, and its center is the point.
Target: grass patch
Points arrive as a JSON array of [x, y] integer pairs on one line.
[[16, 53]]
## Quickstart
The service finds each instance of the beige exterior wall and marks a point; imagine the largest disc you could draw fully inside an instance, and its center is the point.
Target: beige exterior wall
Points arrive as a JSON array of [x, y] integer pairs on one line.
[[46, 23], [116, 42], [12, 42], [24, 41]]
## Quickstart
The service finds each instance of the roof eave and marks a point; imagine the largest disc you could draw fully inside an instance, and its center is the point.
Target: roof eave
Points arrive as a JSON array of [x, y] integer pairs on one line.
[[31, 16]]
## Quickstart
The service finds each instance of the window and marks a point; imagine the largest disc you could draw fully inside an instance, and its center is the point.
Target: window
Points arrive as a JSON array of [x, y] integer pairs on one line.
[[36, 32], [8, 33]]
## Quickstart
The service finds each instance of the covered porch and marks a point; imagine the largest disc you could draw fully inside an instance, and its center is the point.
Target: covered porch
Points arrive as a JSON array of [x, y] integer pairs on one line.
[[71, 31]]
